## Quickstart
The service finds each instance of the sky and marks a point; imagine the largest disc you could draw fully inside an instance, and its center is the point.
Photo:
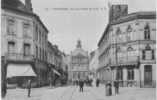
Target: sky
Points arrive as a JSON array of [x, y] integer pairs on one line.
[[66, 26]]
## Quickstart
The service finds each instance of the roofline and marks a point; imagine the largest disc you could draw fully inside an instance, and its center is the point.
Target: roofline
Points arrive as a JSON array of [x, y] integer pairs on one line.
[[136, 15], [129, 17], [106, 29], [27, 13]]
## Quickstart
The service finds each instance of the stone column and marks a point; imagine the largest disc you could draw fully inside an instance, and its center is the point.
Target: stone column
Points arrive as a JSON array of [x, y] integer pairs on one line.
[[125, 76]]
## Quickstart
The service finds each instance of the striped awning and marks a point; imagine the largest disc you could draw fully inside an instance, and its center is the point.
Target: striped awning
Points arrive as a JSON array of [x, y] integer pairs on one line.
[[19, 70]]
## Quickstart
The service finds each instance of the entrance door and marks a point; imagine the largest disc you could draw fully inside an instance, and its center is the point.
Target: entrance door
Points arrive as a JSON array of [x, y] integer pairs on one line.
[[148, 75]]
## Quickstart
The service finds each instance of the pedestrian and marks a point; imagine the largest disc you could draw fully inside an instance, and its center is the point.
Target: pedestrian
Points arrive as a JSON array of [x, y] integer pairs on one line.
[[97, 83], [108, 89], [81, 84], [29, 87], [116, 85]]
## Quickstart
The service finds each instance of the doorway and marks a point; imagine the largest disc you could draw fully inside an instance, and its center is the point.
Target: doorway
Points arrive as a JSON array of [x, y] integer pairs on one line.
[[148, 75]]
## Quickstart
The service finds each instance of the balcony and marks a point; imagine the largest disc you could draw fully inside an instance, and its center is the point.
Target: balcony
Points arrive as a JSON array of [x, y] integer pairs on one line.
[[18, 57], [128, 60]]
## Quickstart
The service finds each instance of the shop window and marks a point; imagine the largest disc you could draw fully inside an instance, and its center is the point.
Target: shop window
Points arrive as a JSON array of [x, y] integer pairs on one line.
[[130, 74], [119, 74]]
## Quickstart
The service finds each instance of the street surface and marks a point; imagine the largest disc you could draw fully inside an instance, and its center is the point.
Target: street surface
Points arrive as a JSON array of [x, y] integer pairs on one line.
[[72, 93]]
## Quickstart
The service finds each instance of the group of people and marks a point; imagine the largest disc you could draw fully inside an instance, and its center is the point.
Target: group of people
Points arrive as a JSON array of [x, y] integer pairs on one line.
[[82, 82], [81, 85], [109, 88]]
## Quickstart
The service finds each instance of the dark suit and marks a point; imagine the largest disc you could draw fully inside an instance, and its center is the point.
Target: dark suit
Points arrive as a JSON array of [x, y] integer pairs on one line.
[[81, 84], [116, 85], [29, 88]]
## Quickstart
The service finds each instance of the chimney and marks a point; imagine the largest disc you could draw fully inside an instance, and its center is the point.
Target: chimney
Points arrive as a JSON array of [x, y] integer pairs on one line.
[[28, 5]]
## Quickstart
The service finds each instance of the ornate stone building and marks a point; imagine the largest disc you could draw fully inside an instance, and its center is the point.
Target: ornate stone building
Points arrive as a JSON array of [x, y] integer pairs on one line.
[[79, 63], [127, 50], [24, 41]]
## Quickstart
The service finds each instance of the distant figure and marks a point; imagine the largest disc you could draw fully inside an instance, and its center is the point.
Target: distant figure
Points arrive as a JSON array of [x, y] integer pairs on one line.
[[29, 88], [108, 89], [81, 84], [97, 82], [116, 85]]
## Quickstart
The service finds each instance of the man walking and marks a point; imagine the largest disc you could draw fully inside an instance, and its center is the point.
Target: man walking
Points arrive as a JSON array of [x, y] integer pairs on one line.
[[116, 85], [97, 83], [81, 84], [29, 88]]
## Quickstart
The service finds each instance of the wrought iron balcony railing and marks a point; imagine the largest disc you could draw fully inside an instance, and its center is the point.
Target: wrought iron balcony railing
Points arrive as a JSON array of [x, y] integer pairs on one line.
[[127, 60], [18, 57]]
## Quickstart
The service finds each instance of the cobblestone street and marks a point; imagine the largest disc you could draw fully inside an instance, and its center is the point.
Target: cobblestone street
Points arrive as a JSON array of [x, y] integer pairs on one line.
[[72, 93]]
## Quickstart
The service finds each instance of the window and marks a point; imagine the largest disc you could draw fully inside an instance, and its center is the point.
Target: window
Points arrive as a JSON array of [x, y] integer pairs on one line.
[[11, 47], [129, 30], [43, 55], [118, 49], [119, 74], [147, 53], [130, 74], [26, 49], [118, 31], [143, 54], [147, 32], [40, 54], [26, 30], [36, 31], [153, 55], [36, 51], [11, 27]]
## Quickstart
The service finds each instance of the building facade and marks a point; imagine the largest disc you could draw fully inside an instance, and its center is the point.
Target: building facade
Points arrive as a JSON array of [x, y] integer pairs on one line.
[[94, 62], [79, 64], [24, 41], [127, 50]]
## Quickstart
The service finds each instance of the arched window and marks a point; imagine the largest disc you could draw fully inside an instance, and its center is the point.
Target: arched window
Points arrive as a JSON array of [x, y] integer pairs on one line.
[[147, 32], [129, 48], [129, 28]]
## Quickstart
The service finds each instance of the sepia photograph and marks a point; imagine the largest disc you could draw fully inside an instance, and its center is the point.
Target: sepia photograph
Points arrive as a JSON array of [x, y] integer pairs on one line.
[[78, 49]]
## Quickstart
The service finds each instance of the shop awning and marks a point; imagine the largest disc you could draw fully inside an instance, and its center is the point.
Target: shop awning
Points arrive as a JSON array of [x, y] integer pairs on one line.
[[56, 72], [19, 70]]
